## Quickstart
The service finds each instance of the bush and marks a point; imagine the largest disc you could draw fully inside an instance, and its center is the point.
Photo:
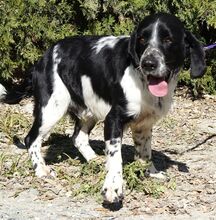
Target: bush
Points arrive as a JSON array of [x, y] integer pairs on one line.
[[28, 27]]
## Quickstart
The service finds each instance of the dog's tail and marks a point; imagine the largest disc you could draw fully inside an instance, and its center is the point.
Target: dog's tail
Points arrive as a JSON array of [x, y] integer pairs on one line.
[[15, 93]]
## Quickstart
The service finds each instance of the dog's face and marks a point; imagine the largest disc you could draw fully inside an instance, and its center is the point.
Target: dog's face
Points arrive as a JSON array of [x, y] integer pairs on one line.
[[158, 49]]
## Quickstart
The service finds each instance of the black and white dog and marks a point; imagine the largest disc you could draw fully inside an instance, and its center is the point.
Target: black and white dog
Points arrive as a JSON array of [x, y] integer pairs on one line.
[[125, 81]]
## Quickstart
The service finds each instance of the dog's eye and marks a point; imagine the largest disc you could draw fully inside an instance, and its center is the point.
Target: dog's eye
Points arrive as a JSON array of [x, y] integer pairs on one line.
[[167, 40], [142, 40]]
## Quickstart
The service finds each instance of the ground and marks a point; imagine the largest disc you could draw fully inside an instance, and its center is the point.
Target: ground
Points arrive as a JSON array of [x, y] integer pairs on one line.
[[184, 145]]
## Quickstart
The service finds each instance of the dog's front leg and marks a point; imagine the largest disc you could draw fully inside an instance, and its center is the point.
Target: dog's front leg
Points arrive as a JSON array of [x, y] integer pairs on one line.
[[142, 136], [112, 190]]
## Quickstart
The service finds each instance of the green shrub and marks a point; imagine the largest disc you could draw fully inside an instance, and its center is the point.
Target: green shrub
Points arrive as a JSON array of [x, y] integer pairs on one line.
[[28, 27], [206, 84]]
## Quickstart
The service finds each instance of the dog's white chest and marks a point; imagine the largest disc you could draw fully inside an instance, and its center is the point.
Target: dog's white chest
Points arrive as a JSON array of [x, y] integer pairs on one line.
[[139, 100], [133, 89]]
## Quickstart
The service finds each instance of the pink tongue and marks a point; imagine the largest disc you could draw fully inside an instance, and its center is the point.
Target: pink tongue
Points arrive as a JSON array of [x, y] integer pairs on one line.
[[158, 87]]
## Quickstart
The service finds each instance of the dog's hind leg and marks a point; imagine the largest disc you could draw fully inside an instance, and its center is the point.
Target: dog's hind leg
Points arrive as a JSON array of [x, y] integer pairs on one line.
[[33, 141], [80, 137], [45, 118]]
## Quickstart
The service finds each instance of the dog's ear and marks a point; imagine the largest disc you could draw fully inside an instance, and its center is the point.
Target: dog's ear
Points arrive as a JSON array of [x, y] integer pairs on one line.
[[132, 49], [197, 55]]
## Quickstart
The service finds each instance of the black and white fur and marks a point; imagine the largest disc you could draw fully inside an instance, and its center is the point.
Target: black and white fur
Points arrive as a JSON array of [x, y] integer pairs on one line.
[[106, 78], [3, 92]]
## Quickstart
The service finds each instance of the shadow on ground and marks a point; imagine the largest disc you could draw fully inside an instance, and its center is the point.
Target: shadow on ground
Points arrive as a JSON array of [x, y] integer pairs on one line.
[[61, 148]]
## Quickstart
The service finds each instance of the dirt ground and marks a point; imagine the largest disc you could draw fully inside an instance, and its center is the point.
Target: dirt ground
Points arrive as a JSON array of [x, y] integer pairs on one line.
[[184, 145]]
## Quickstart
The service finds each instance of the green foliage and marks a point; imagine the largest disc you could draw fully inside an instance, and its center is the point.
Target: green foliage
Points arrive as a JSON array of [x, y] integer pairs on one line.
[[134, 174], [89, 173], [28, 27], [207, 84]]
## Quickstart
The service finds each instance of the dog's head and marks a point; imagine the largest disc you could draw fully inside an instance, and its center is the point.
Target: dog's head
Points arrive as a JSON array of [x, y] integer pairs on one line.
[[158, 48]]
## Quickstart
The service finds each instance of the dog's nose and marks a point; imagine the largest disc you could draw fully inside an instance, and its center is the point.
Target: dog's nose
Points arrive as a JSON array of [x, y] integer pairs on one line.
[[149, 64]]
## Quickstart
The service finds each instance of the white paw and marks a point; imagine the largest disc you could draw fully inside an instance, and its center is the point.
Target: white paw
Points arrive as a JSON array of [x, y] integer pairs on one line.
[[112, 190], [153, 172], [160, 175], [42, 171]]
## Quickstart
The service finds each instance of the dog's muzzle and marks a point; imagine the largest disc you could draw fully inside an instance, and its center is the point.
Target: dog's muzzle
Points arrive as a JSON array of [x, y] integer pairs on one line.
[[152, 62], [154, 68]]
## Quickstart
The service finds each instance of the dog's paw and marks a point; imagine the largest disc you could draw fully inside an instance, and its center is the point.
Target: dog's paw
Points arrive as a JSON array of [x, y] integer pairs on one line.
[[44, 171], [160, 175], [112, 190], [154, 173]]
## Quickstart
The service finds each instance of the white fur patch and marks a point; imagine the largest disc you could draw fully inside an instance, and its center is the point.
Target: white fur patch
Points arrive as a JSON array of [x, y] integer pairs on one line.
[[3, 91], [133, 89], [58, 102], [154, 37], [34, 152], [113, 151], [82, 144], [113, 185], [109, 41], [96, 105], [41, 170]]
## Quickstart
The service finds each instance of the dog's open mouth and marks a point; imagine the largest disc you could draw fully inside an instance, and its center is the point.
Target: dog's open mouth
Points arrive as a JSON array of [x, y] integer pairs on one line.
[[158, 86]]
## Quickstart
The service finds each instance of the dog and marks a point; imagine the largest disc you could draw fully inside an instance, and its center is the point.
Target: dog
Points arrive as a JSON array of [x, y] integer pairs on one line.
[[123, 81]]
